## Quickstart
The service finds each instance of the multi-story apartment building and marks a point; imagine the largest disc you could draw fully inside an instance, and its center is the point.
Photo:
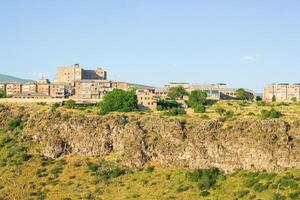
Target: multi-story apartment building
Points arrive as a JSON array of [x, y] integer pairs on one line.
[[96, 89], [43, 87], [146, 98], [283, 92], [76, 73], [29, 88], [59, 90], [13, 89]]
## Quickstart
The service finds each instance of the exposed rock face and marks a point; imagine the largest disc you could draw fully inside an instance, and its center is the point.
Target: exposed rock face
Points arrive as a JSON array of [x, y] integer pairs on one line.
[[250, 144]]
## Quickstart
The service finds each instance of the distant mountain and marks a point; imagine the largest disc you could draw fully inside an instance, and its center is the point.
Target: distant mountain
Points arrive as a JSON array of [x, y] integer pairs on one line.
[[9, 79]]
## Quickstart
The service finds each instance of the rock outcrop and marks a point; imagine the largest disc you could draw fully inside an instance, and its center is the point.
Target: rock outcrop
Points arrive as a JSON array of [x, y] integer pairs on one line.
[[134, 140]]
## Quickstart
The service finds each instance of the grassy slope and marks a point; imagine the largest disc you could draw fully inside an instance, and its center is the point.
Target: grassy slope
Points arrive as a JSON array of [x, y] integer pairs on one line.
[[25, 175]]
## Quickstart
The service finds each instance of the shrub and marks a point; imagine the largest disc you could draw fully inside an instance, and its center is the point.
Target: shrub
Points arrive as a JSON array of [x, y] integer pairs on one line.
[[265, 114], [287, 182], [242, 193], [105, 171], [199, 109], [2, 94], [278, 196], [183, 188], [56, 171], [273, 98], [220, 110], [41, 173], [229, 114], [54, 106], [150, 169], [204, 193], [259, 187], [14, 123], [205, 178], [118, 100], [167, 104], [261, 103], [294, 99], [175, 112], [294, 195], [70, 104], [41, 103]]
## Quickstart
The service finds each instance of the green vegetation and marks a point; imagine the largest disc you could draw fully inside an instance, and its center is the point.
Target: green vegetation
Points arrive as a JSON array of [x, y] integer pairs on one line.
[[2, 93], [70, 104], [197, 99], [272, 114], [177, 93], [225, 113], [242, 94], [205, 178], [167, 105], [54, 106], [199, 109], [175, 112], [118, 100], [273, 99]]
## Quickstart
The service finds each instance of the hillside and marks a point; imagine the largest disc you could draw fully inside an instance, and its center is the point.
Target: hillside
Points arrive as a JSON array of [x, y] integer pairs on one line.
[[9, 79], [61, 153]]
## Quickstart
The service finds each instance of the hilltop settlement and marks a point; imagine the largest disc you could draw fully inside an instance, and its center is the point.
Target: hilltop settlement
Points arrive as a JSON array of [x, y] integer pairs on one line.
[[81, 85]]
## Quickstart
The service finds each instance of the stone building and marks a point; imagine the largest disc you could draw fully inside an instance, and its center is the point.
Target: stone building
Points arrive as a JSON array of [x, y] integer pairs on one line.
[[146, 99], [29, 88], [283, 92], [76, 73], [60, 90], [43, 87], [97, 89], [13, 89]]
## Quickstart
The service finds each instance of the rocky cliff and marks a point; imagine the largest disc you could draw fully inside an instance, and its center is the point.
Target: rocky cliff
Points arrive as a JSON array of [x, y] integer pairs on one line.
[[135, 139]]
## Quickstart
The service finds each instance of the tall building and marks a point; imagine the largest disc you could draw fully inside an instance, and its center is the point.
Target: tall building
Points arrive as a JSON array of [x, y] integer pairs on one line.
[[76, 73], [283, 92]]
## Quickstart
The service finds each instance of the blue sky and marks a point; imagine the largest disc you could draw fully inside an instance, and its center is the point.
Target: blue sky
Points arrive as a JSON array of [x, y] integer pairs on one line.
[[242, 43]]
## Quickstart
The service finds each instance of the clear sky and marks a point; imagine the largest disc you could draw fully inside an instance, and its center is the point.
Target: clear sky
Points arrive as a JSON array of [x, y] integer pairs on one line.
[[242, 43]]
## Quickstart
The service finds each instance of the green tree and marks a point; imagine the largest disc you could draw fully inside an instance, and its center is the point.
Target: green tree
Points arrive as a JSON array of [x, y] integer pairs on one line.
[[177, 92], [258, 98], [2, 93], [118, 100], [166, 105], [196, 98], [273, 98], [242, 94]]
